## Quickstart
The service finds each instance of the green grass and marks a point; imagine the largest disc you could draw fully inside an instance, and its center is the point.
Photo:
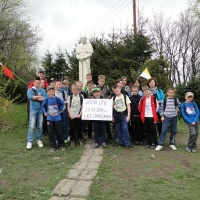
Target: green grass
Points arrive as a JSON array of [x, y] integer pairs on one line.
[[145, 174], [29, 174]]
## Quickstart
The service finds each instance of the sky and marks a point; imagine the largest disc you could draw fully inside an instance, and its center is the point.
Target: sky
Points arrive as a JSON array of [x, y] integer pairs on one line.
[[62, 22]]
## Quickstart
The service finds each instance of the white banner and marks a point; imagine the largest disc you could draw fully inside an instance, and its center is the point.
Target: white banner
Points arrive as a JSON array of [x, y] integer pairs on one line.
[[97, 109]]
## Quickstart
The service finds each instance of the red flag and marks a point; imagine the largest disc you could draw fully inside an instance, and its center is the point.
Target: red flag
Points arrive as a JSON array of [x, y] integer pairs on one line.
[[8, 72]]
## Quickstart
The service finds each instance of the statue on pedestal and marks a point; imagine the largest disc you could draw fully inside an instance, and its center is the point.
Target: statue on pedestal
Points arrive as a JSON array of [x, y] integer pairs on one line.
[[84, 51]]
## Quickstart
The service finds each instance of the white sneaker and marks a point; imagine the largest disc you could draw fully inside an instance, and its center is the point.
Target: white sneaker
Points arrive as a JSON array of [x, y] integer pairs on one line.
[[173, 147], [29, 145], [159, 148], [40, 144]]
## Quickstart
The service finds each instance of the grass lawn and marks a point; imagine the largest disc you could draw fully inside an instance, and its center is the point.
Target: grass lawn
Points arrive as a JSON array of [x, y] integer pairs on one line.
[[144, 174], [29, 174]]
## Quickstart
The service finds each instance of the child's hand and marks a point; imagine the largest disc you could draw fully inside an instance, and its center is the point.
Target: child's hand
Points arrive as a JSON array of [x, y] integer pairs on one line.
[[79, 116], [162, 118], [177, 109], [45, 114], [113, 121], [127, 119], [71, 116]]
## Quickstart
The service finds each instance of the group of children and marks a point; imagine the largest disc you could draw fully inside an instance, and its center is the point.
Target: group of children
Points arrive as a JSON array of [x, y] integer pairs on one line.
[[135, 114]]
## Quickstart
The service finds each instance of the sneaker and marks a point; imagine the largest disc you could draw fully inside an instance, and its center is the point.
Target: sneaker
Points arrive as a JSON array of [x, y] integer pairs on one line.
[[72, 144], [194, 150], [129, 148], [29, 145], [173, 147], [103, 145], [52, 149], [188, 150], [81, 142], [62, 148], [96, 145], [40, 144], [159, 148]]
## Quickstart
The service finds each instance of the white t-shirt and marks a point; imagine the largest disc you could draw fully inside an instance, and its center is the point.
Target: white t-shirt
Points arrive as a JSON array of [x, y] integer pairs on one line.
[[119, 104], [75, 105]]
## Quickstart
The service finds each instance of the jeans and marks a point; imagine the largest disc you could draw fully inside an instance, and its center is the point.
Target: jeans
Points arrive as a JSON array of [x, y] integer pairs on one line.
[[172, 121], [122, 133], [35, 118]]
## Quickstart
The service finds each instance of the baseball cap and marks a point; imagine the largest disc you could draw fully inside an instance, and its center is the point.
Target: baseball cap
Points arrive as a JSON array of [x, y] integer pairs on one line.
[[52, 79], [189, 94], [96, 89]]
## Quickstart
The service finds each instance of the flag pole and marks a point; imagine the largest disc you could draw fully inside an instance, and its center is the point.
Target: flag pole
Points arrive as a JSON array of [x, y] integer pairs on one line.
[[20, 79]]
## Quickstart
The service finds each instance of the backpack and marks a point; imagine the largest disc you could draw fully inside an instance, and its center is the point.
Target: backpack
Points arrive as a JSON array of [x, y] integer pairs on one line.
[[35, 93], [175, 103]]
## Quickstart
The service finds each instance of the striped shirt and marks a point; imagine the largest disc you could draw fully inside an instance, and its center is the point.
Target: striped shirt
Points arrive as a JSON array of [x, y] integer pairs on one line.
[[170, 109]]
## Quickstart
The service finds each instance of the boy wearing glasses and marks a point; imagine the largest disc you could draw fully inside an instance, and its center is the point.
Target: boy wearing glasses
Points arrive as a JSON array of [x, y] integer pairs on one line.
[[190, 113]]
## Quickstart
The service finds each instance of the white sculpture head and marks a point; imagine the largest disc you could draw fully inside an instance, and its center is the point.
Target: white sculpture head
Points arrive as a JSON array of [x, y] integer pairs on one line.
[[83, 39]]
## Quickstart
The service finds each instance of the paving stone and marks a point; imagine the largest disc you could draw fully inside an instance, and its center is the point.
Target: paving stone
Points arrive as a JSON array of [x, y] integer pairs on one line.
[[80, 165], [96, 158], [93, 165], [98, 151], [88, 152], [85, 158], [87, 174], [81, 189], [57, 198], [65, 189], [73, 173]]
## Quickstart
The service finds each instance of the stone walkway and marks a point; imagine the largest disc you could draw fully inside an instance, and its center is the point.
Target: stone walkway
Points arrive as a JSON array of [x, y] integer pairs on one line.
[[76, 186]]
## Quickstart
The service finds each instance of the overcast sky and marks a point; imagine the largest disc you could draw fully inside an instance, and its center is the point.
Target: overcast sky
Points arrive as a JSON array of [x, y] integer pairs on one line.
[[63, 21]]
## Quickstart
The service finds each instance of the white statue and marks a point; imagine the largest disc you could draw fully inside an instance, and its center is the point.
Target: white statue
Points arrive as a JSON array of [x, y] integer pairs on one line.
[[83, 53]]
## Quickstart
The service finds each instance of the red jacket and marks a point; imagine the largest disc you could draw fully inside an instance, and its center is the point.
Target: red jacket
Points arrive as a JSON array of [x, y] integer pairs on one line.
[[141, 108]]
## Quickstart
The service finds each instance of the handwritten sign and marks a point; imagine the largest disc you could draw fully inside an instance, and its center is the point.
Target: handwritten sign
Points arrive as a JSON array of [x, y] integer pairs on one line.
[[97, 109]]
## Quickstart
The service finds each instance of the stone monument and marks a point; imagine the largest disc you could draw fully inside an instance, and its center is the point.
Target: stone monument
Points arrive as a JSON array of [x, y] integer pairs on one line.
[[84, 51]]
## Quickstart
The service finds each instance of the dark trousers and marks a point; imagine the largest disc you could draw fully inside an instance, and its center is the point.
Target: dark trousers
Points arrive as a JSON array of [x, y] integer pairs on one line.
[[150, 133], [108, 132], [90, 124], [159, 124], [54, 131], [137, 132], [99, 132], [75, 124], [64, 116]]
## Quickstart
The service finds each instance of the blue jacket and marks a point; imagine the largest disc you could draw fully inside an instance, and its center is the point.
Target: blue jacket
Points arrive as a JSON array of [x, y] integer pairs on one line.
[[190, 112], [160, 96], [34, 104], [53, 107]]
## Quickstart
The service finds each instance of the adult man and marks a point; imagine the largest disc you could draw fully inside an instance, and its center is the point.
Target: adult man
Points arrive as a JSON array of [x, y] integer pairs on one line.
[[83, 53]]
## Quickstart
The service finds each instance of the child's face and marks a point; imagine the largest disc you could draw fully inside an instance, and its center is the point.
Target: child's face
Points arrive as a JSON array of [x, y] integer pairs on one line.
[[189, 99], [51, 93], [42, 84], [41, 75], [88, 78], [37, 83], [58, 86], [90, 86], [120, 84], [75, 91], [135, 92], [52, 83], [101, 82], [170, 93], [80, 86], [117, 91], [96, 95], [147, 93]]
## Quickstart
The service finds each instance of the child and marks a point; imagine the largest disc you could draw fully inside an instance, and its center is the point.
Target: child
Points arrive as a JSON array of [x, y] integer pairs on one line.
[[137, 129], [99, 126], [168, 112], [121, 117], [148, 106], [64, 115], [88, 78], [106, 94], [89, 95], [190, 113], [74, 107], [65, 88], [36, 95], [52, 106]]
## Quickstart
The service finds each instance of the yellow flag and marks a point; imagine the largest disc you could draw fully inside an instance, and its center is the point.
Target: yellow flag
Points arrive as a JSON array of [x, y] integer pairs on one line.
[[145, 74]]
